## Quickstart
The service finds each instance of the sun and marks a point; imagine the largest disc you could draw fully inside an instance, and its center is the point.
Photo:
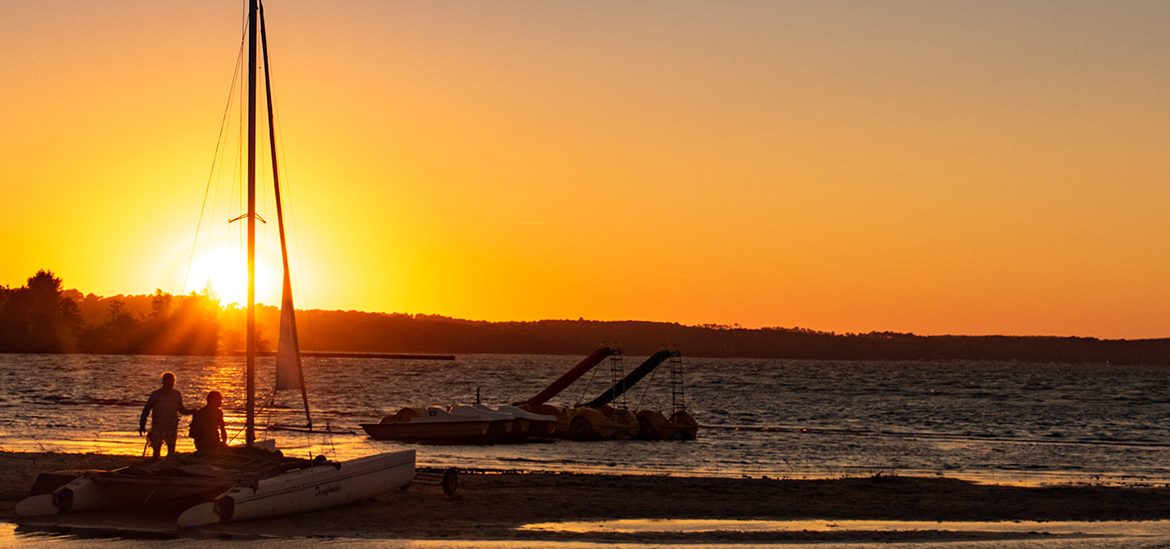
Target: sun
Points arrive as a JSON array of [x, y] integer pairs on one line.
[[224, 272]]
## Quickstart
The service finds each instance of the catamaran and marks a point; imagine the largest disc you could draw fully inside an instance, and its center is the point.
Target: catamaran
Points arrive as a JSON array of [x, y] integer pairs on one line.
[[255, 480]]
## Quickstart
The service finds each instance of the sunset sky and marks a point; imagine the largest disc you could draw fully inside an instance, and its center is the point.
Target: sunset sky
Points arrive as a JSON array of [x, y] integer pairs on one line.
[[936, 167]]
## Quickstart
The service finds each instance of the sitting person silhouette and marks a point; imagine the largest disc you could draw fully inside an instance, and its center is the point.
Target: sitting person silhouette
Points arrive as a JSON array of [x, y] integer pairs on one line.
[[207, 427]]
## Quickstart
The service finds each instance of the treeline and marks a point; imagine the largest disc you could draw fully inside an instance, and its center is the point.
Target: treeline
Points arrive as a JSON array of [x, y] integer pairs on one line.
[[41, 317], [374, 332]]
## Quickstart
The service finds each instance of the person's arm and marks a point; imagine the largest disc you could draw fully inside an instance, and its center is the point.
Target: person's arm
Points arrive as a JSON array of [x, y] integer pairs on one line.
[[222, 428], [183, 410], [145, 412]]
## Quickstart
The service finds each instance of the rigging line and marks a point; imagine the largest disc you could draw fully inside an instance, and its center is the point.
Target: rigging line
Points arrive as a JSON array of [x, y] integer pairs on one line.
[[270, 402], [220, 169], [235, 434], [587, 385], [237, 193], [329, 437], [286, 190], [279, 141], [646, 388], [241, 149], [214, 156]]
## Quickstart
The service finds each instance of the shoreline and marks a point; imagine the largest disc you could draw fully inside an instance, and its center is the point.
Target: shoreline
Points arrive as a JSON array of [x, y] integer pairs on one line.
[[496, 505]]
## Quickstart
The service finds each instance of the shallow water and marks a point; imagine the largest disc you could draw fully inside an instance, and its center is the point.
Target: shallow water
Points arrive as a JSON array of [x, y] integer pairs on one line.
[[1048, 534], [1003, 422], [1144, 529]]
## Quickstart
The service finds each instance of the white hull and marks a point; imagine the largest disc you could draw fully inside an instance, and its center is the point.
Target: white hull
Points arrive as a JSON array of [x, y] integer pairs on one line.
[[92, 492], [474, 424], [37, 506], [520, 413], [86, 494], [318, 487]]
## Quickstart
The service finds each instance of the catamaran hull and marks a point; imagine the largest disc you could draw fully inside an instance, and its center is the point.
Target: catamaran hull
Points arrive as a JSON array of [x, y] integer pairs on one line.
[[317, 487], [96, 490], [81, 494], [37, 506], [112, 490]]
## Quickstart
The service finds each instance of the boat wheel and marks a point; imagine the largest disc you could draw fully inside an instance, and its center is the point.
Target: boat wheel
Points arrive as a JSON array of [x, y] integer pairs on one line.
[[450, 482], [580, 429]]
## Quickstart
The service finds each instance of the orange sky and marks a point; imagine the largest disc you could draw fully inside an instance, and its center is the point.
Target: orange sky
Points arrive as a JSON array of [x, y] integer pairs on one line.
[[936, 167]]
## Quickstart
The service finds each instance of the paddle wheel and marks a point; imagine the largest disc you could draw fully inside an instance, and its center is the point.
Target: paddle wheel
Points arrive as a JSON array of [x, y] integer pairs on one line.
[[600, 421]]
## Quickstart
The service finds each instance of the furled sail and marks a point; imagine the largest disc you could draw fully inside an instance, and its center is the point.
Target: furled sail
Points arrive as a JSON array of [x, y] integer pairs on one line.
[[288, 349], [289, 374]]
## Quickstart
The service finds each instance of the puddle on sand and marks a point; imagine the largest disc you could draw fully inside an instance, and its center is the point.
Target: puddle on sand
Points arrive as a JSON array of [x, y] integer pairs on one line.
[[1159, 529]]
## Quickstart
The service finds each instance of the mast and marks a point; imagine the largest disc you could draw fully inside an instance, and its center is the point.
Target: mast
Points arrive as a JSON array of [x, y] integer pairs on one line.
[[288, 328], [250, 361]]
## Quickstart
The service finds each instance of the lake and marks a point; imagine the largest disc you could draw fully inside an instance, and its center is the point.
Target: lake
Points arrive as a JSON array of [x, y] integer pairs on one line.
[[993, 421]]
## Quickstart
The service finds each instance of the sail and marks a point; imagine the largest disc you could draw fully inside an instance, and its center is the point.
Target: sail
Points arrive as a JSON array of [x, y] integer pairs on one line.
[[289, 374], [288, 349]]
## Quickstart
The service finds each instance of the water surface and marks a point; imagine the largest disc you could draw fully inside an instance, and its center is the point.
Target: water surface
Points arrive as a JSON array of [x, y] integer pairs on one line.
[[1004, 422]]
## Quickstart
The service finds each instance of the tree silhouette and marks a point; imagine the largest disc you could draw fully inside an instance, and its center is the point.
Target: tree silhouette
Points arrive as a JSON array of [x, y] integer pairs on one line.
[[42, 318], [37, 318]]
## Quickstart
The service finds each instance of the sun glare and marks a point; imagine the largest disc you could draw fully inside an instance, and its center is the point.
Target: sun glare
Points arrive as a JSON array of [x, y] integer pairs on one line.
[[225, 274]]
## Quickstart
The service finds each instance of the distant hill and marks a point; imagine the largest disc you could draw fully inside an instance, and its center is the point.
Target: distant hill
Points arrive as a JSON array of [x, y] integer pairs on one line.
[[42, 317], [353, 331]]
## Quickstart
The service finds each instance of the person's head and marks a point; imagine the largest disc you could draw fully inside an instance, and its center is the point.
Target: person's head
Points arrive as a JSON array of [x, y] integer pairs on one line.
[[214, 399], [168, 380]]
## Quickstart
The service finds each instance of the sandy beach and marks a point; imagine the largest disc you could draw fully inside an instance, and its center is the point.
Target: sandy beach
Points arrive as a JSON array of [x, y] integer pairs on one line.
[[497, 505]]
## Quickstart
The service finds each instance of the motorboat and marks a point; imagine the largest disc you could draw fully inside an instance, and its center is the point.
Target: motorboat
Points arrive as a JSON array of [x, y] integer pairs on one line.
[[527, 424], [436, 424], [463, 424]]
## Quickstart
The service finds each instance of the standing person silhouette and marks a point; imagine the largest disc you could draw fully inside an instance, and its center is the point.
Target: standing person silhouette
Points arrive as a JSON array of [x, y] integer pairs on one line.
[[164, 407]]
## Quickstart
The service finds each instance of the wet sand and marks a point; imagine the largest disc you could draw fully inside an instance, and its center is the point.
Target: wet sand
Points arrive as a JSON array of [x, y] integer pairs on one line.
[[494, 505]]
